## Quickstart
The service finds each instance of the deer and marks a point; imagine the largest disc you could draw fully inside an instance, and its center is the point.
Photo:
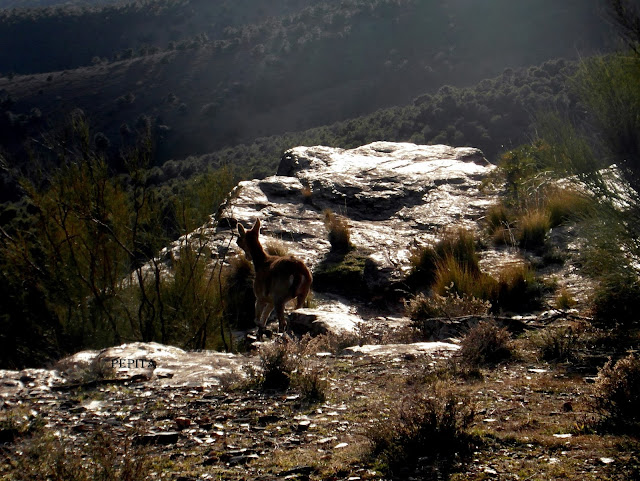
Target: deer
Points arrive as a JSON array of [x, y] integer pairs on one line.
[[278, 279]]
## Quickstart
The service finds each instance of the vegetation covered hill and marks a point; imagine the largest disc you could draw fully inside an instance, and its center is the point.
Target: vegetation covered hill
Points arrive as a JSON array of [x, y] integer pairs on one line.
[[209, 75]]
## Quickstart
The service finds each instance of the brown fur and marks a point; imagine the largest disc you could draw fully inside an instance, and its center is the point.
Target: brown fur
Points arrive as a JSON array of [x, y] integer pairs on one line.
[[279, 279]]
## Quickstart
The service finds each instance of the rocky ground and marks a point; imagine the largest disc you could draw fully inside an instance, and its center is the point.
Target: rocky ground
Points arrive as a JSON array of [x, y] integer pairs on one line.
[[532, 421]]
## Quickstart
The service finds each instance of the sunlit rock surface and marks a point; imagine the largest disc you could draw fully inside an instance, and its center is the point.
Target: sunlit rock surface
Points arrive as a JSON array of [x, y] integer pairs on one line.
[[394, 195]]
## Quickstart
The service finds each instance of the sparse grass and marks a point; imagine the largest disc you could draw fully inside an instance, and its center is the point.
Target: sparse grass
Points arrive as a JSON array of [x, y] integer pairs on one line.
[[338, 230], [617, 393], [486, 343], [47, 457]]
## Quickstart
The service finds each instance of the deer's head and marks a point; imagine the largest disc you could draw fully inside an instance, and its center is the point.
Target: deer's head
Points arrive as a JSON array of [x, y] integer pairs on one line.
[[249, 239]]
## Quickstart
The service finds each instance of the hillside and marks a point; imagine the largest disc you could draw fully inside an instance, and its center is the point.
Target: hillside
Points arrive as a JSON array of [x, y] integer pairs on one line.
[[216, 75]]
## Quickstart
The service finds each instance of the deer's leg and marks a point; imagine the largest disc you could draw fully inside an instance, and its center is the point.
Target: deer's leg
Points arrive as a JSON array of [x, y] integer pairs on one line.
[[282, 320], [260, 307], [267, 307]]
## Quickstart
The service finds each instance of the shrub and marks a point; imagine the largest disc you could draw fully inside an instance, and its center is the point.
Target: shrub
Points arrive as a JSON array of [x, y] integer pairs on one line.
[[420, 433], [617, 392], [616, 298], [486, 343], [559, 344], [339, 232], [238, 297], [277, 363]]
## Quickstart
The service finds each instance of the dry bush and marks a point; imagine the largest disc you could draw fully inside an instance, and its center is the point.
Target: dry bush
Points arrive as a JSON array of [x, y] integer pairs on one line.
[[558, 344], [486, 343], [282, 367], [421, 434], [278, 360], [423, 307], [617, 392]]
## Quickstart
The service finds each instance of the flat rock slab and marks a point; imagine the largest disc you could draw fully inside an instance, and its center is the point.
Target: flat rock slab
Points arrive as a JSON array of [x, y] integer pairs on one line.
[[401, 350], [318, 321]]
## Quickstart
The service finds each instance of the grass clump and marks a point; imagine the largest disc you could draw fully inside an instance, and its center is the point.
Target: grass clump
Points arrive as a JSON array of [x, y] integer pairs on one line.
[[486, 343], [423, 435], [457, 246], [617, 392], [533, 227], [339, 232], [517, 289]]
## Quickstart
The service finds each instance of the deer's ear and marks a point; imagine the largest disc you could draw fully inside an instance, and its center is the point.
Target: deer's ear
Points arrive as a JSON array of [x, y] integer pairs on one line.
[[256, 226], [241, 231]]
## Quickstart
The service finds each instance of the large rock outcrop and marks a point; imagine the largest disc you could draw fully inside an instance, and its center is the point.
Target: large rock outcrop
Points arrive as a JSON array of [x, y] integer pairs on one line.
[[394, 195]]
